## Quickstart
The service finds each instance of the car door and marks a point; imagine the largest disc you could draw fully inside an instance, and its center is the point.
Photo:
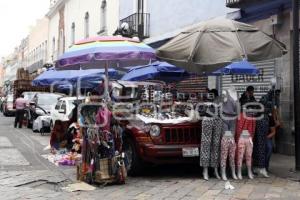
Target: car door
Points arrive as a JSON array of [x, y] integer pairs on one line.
[[55, 113], [63, 111]]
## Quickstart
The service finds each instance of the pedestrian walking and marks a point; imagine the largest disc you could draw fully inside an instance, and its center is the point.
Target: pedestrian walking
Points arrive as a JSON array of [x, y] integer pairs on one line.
[[20, 106]]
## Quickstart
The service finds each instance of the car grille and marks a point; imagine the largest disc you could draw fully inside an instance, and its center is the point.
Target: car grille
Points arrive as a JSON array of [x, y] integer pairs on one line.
[[182, 135]]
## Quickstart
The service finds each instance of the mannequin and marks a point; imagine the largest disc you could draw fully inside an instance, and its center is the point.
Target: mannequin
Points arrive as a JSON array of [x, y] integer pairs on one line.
[[245, 147], [211, 136], [228, 146], [260, 138]]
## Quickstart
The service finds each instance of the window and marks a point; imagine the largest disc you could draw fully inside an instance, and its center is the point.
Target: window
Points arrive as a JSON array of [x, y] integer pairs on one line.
[[45, 50], [57, 106], [103, 17], [73, 33], [63, 106], [53, 46], [61, 42], [86, 25]]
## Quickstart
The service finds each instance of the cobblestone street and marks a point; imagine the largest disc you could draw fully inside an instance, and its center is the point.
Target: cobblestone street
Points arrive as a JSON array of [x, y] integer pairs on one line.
[[24, 174]]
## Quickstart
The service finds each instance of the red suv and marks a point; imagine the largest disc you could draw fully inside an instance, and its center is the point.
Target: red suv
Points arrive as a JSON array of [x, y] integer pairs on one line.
[[8, 106], [156, 141]]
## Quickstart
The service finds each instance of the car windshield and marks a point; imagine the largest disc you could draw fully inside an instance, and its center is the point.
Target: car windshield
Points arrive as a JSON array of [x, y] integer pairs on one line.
[[29, 95], [47, 99]]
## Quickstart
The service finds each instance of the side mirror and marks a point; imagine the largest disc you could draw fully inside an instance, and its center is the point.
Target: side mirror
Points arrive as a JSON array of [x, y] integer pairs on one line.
[[62, 111]]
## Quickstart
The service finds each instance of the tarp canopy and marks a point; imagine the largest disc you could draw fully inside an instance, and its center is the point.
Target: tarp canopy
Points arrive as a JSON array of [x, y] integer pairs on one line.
[[54, 77], [156, 71], [215, 43], [243, 67]]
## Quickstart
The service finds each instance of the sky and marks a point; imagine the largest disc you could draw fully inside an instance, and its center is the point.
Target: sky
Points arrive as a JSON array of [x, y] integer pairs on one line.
[[16, 17]]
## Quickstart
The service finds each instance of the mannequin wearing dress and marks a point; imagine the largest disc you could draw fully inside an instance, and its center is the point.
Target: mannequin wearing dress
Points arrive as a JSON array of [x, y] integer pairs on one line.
[[260, 138]]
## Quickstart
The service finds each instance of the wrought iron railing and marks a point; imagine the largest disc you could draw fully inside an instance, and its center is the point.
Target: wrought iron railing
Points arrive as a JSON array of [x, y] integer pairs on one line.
[[242, 3], [139, 23]]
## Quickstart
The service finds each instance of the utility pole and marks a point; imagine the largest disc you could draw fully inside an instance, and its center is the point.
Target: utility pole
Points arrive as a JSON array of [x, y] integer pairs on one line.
[[296, 80]]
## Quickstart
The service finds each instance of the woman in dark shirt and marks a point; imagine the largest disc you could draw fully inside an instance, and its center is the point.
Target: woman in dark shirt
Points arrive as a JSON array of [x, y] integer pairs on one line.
[[269, 141]]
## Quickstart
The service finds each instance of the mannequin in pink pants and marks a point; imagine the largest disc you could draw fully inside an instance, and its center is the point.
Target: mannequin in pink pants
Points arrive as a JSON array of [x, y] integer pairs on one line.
[[245, 148]]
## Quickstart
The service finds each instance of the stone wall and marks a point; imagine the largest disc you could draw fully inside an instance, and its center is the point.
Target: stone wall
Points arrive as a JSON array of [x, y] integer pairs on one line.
[[285, 137]]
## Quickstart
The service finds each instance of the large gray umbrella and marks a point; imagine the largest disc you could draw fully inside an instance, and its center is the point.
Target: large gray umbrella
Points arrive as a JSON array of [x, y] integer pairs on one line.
[[215, 43]]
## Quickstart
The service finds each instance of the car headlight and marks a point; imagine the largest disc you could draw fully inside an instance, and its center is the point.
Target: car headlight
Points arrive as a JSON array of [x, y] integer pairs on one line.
[[154, 130]]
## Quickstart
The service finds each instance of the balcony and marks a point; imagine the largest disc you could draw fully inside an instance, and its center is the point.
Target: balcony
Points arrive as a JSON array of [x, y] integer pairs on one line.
[[243, 3], [139, 25]]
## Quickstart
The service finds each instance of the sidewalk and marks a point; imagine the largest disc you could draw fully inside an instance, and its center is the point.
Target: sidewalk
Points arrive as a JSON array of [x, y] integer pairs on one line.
[[284, 167]]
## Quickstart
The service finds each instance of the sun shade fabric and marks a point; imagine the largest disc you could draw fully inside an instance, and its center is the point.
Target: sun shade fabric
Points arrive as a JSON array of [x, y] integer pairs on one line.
[[53, 76], [243, 67], [118, 51], [156, 71], [216, 43]]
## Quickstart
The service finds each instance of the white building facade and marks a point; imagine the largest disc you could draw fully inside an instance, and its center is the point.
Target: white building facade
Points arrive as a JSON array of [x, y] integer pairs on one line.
[[36, 52], [164, 19], [74, 20]]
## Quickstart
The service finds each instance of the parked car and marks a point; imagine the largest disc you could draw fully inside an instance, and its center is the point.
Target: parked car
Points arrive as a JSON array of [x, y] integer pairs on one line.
[[8, 105], [63, 108], [28, 96], [40, 104], [42, 122], [46, 100]]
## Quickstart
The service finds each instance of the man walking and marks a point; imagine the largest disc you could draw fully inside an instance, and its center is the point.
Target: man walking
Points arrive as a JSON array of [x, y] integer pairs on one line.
[[20, 106]]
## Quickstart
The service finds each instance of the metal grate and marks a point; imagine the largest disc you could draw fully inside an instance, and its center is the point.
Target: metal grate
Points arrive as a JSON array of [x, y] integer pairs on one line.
[[182, 135], [139, 23]]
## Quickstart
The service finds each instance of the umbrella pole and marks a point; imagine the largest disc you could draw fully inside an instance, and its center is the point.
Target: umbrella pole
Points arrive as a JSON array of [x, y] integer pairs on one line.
[[106, 82]]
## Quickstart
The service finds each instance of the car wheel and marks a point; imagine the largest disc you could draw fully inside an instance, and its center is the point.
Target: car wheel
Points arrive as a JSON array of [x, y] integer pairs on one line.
[[133, 163], [42, 131]]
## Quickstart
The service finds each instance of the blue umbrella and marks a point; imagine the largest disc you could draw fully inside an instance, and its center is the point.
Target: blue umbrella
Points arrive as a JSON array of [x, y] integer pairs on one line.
[[89, 76], [155, 71], [243, 67]]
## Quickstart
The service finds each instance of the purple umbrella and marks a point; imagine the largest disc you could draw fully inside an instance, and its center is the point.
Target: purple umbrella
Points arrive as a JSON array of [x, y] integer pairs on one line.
[[104, 52]]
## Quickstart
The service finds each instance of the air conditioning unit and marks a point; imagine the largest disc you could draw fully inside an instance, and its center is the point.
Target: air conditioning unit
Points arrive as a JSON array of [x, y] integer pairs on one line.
[[276, 19]]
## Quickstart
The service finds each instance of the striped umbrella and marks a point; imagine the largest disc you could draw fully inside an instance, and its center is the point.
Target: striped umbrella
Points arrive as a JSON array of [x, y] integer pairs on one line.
[[104, 52], [98, 52]]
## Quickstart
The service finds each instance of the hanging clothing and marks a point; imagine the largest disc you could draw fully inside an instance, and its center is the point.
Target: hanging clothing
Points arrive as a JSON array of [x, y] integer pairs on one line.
[[262, 130], [212, 129], [103, 119], [259, 141], [245, 123], [228, 148], [229, 125], [245, 149]]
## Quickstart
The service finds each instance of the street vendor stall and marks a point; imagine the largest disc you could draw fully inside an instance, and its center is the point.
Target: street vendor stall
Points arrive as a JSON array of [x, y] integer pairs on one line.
[[102, 159]]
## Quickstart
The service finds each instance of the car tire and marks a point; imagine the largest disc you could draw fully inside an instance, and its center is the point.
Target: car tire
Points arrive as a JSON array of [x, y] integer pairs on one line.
[[134, 164], [29, 124], [42, 131]]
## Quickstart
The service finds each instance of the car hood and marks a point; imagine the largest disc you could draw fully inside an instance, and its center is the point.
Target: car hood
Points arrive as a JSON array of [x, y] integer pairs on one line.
[[47, 108]]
